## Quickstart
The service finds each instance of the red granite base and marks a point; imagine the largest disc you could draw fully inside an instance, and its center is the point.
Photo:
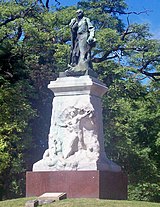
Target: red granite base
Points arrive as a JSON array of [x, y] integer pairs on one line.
[[78, 184]]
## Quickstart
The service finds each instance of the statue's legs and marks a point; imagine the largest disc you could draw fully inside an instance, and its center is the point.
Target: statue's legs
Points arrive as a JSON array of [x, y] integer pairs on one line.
[[84, 48]]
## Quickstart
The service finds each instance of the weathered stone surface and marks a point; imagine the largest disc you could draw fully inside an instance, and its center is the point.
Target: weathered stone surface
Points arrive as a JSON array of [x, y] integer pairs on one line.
[[54, 196], [75, 140], [31, 203], [45, 201]]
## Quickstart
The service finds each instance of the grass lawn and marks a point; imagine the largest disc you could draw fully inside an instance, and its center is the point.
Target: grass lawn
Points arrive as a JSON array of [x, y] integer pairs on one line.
[[81, 203]]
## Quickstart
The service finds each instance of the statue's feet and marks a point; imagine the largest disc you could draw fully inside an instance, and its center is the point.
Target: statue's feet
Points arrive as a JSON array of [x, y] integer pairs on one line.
[[69, 69], [78, 71]]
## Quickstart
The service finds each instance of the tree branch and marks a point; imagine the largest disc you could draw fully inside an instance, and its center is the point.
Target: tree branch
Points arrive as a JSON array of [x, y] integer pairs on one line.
[[98, 60], [128, 13], [5, 37], [19, 33], [47, 4], [41, 3], [17, 16], [150, 74], [106, 55], [126, 32]]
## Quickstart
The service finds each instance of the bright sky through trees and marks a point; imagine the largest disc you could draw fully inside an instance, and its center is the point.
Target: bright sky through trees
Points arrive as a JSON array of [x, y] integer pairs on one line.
[[152, 17]]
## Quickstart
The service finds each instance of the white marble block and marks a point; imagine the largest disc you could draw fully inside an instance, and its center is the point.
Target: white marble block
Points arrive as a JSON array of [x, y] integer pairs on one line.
[[75, 140]]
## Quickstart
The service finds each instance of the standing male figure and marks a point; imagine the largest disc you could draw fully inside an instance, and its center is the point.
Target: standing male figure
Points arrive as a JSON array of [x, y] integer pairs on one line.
[[82, 40]]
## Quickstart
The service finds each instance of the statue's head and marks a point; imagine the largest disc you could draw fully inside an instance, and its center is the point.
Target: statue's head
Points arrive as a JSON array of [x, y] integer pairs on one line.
[[80, 13]]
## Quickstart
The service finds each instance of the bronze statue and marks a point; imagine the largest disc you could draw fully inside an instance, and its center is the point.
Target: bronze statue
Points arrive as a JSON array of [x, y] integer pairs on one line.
[[82, 41]]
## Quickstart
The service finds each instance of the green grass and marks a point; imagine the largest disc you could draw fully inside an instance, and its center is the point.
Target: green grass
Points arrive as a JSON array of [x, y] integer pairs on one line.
[[81, 203], [20, 202]]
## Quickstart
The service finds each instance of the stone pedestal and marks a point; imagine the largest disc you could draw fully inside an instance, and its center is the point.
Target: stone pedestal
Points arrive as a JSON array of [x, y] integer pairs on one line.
[[75, 161], [78, 184], [75, 140]]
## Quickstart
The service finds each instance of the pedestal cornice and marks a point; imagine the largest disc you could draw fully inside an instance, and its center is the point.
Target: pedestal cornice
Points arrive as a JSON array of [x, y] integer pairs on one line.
[[81, 85]]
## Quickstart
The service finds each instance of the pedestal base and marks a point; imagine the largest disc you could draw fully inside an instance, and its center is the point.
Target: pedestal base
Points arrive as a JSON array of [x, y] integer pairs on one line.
[[78, 184]]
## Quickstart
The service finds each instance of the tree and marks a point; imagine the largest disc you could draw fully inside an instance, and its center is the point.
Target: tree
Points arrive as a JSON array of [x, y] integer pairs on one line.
[[25, 69], [34, 47], [124, 57]]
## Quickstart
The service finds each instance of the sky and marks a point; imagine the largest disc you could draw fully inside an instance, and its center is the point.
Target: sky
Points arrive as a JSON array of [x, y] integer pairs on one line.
[[152, 17]]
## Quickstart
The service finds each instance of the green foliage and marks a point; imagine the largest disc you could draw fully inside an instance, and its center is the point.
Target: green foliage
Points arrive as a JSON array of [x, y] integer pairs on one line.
[[108, 39], [26, 66], [132, 130], [34, 47], [15, 136], [145, 192]]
